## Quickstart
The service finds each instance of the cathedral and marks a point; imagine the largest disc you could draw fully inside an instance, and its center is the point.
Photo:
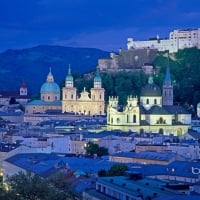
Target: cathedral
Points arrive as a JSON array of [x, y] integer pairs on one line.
[[49, 98], [154, 112], [87, 103], [84, 104]]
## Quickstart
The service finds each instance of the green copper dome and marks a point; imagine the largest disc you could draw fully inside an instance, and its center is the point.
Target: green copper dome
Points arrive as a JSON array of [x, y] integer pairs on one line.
[[97, 77], [69, 76], [50, 87]]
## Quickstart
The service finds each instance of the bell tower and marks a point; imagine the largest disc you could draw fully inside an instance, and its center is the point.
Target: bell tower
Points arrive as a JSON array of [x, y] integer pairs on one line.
[[167, 92], [69, 95]]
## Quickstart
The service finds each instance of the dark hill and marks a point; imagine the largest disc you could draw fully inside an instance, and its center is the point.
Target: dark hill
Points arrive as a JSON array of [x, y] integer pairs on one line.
[[32, 64]]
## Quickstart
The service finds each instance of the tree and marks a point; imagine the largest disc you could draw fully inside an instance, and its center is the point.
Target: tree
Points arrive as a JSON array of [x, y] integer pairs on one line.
[[102, 151], [92, 149], [32, 187], [102, 173], [117, 170]]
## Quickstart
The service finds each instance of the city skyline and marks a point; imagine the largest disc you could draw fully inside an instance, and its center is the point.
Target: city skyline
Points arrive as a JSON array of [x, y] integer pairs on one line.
[[98, 24]]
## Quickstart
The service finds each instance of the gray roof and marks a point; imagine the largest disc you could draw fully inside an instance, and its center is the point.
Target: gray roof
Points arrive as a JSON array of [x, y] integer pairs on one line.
[[145, 187], [176, 109], [46, 164], [150, 155], [157, 110], [151, 90], [176, 168]]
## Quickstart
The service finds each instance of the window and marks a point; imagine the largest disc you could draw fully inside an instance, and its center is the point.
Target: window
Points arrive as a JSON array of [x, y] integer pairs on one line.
[[48, 97], [161, 121], [155, 101], [72, 96], [111, 120], [134, 119], [147, 102], [127, 119]]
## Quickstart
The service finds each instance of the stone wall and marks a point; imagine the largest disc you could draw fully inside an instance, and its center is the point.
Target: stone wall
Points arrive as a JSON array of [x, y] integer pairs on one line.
[[128, 60]]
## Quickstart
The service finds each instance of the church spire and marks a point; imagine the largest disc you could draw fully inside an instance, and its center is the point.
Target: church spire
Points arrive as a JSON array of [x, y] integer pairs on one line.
[[50, 76], [167, 77], [69, 80], [69, 70], [167, 89], [97, 79]]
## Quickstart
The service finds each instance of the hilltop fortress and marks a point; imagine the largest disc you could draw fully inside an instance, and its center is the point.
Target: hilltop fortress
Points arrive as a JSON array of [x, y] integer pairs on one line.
[[178, 39], [141, 54]]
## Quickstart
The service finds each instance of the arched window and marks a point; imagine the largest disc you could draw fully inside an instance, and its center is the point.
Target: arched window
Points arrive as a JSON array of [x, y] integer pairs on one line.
[[161, 121], [141, 130], [100, 96], [127, 118], [147, 101], [161, 130], [155, 101], [111, 120], [118, 120], [72, 96], [48, 97], [134, 118]]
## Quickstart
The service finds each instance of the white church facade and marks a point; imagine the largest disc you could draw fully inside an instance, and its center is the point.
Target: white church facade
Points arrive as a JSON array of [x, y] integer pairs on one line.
[[152, 112], [71, 102]]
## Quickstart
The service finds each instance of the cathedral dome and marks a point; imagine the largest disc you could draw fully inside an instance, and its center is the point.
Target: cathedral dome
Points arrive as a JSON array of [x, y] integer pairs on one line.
[[50, 87], [198, 105], [151, 89]]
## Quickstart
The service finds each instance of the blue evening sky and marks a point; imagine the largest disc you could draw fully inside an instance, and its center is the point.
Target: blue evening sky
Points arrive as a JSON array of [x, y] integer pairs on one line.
[[103, 24]]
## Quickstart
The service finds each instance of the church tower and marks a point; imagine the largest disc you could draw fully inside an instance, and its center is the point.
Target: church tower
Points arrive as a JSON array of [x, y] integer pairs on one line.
[[97, 93], [23, 89], [68, 93], [167, 92]]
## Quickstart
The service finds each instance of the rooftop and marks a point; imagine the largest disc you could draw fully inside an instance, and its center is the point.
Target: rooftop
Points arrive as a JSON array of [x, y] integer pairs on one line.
[[47, 164], [139, 188]]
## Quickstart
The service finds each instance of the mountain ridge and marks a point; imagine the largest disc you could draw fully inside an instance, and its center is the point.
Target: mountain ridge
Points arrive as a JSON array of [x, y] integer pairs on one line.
[[32, 64]]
